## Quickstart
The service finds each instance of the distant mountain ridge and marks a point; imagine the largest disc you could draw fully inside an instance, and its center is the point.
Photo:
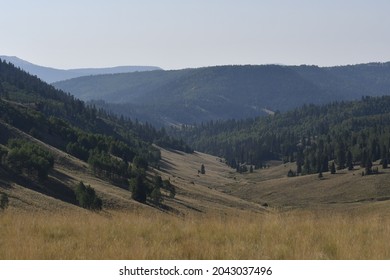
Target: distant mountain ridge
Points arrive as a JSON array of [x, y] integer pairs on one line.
[[51, 75], [227, 92]]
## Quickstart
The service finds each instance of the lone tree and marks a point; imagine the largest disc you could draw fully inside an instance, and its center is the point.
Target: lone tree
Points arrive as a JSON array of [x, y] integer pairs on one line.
[[87, 198], [3, 201], [139, 189], [333, 168], [202, 169], [291, 173], [349, 160]]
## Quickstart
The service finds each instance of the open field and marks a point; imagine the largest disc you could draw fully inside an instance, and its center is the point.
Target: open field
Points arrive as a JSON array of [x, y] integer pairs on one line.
[[346, 191], [217, 215], [143, 235]]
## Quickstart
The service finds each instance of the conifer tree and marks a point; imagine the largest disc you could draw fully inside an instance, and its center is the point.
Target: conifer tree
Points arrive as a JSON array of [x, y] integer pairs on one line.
[[333, 168], [138, 189], [202, 169], [3, 201], [349, 160]]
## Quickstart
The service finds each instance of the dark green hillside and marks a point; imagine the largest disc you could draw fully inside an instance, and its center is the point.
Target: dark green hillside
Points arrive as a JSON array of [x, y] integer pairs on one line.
[[45, 118], [196, 95], [227, 92], [347, 133]]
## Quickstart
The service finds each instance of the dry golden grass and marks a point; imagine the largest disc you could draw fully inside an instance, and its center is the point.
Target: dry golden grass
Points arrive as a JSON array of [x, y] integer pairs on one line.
[[289, 235], [217, 216]]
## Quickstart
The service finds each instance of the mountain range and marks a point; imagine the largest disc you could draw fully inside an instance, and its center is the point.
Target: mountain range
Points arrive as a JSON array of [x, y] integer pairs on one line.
[[191, 96], [51, 75]]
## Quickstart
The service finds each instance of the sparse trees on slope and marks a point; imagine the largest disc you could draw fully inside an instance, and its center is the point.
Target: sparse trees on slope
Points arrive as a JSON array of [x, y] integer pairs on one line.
[[25, 155]]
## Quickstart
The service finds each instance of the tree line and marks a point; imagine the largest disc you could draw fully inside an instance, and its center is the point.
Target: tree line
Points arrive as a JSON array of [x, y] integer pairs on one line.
[[346, 133]]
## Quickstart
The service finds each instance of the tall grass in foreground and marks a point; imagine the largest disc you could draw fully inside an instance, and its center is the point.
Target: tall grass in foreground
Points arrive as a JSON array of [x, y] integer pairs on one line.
[[293, 235]]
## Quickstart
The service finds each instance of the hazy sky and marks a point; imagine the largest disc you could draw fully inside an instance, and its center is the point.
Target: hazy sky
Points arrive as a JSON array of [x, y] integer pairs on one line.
[[176, 34]]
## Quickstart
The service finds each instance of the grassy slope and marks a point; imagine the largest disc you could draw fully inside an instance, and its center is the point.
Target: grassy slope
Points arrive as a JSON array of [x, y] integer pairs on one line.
[[194, 194], [346, 190], [214, 216], [220, 189]]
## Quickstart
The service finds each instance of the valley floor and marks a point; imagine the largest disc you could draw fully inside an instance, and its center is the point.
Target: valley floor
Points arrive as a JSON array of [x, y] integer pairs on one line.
[[216, 215]]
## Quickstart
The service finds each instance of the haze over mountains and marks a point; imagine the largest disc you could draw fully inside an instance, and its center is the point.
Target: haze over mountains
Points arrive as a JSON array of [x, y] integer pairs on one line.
[[198, 95], [227, 92], [51, 75]]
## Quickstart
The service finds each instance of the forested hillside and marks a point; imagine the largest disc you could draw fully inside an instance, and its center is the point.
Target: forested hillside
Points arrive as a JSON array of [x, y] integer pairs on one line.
[[315, 137], [227, 92], [34, 116]]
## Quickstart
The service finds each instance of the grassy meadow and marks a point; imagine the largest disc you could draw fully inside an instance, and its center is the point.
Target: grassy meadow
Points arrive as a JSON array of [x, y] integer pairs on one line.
[[117, 235], [215, 216]]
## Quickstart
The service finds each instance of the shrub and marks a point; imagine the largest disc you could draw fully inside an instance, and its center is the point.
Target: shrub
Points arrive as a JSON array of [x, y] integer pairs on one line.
[[87, 198], [3, 201]]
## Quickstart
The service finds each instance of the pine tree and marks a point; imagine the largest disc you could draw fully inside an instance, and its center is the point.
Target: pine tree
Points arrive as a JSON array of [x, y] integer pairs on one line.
[[333, 168], [349, 160], [202, 169], [340, 153], [368, 167], [87, 198], [325, 164], [3, 201], [138, 189]]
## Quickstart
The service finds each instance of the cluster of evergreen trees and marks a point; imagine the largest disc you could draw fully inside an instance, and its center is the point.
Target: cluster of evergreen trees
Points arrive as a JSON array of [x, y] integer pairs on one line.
[[26, 157], [347, 133], [141, 189]]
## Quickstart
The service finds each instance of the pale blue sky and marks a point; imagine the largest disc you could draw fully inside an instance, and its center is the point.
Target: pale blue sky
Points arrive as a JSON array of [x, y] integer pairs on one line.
[[176, 34]]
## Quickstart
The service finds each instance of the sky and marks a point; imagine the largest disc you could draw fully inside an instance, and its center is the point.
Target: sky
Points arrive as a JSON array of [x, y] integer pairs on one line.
[[177, 34]]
